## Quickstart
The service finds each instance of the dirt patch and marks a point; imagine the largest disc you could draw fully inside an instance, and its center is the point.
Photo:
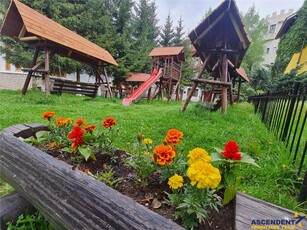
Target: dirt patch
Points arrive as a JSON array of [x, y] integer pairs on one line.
[[224, 219]]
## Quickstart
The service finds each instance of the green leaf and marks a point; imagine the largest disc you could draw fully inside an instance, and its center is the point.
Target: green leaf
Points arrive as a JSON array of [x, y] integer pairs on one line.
[[216, 157], [230, 178], [85, 151], [218, 150], [40, 134], [229, 194], [248, 160]]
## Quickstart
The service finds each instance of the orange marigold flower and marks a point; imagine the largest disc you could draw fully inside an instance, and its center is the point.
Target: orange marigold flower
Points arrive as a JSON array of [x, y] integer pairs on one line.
[[87, 171], [173, 137], [109, 122], [163, 154], [61, 121], [47, 115], [88, 128], [80, 122]]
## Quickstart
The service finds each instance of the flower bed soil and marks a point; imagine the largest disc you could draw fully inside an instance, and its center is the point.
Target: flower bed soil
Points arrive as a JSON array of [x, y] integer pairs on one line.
[[224, 219]]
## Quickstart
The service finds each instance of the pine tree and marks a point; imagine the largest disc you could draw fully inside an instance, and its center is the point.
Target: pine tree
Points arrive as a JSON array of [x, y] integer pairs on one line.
[[145, 33], [179, 33], [167, 35]]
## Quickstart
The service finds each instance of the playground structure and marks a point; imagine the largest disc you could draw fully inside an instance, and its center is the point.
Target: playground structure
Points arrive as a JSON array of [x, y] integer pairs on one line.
[[166, 68], [221, 42], [27, 25]]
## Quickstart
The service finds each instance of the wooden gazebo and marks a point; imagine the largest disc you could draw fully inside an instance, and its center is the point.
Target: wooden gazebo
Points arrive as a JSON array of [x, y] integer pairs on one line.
[[221, 42], [171, 59], [27, 25]]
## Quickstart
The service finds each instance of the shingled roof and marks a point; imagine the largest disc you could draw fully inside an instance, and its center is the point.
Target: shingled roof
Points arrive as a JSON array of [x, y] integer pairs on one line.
[[168, 51], [23, 23]]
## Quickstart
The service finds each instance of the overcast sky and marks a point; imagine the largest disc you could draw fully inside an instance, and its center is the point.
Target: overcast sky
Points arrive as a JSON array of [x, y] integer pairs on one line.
[[192, 11]]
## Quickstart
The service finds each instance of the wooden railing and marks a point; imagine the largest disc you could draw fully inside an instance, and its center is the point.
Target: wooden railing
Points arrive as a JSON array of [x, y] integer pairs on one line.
[[285, 114]]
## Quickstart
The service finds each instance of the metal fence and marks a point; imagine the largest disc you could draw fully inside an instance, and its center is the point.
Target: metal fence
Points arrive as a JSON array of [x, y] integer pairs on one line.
[[285, 114]]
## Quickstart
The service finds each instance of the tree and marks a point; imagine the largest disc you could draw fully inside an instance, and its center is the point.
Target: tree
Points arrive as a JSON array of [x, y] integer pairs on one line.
[[145, 33], [255, 28], [187, 67], [179, 33], [291, 42], [167, 34]]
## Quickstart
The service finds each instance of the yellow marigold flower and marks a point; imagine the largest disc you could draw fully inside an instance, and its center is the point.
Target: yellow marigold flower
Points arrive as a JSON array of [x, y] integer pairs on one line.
[[284, 166], [147, 141], [68, 120], [80, 122], [204, 175], [173, 137], [175, 181], [198, 154], [61, 122], [47, 115]]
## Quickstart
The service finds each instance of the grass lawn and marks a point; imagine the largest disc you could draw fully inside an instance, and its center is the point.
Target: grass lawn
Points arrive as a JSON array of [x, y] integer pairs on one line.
[[274, 181]]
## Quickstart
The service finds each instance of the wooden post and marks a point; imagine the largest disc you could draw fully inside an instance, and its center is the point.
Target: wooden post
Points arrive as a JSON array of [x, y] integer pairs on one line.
[[27, 82], [224, 79], [239, 90], [187, 101], [47, 80], [108, 83]]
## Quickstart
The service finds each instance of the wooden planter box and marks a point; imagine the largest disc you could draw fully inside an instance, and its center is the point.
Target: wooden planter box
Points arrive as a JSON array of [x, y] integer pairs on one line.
[[69, 199]]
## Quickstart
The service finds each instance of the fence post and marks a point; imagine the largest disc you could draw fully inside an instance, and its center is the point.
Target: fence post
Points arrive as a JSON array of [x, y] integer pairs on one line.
[[290, 111], [265, 105], [303, 195]]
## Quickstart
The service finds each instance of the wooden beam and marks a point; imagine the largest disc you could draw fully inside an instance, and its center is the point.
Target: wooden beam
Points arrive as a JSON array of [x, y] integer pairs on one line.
[[22, 31], [108, 83], [187, 101], [12, 206], [224, 79], [30, 38], [212, 82], [47, 80], [28, 79], [240, 35]]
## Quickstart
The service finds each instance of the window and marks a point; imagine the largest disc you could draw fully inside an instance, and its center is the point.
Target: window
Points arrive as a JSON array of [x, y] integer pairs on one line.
[[274, 50], [195, 94], [7, 65], [267, 50], [272, 28]]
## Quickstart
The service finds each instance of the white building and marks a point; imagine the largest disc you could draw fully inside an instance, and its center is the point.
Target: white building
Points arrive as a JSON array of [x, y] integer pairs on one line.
[[274, 21]]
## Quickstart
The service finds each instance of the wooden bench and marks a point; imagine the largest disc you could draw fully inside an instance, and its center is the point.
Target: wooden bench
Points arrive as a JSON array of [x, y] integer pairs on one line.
[[60, 86]]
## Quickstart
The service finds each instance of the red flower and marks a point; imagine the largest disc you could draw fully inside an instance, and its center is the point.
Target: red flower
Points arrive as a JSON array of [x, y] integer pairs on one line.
[[232, 151], [76, 134], [109, 122]]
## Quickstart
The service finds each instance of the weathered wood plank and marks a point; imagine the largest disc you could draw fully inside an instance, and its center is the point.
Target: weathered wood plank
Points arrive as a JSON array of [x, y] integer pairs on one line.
[[249, 208], [12, 206], [69, 198]]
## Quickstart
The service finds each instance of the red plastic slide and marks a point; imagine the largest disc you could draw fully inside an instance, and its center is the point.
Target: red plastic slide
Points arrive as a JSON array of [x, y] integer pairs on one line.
[[156, 74]]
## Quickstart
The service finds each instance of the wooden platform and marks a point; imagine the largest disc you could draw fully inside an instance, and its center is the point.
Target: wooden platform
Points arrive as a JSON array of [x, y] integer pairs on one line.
[[249, 210]]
